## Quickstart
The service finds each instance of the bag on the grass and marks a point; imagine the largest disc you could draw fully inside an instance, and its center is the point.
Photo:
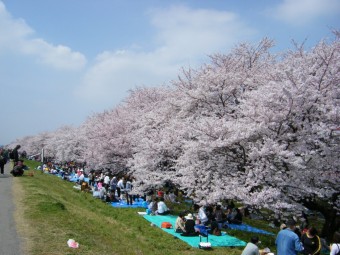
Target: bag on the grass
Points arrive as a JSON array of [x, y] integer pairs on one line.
[[166, 225]]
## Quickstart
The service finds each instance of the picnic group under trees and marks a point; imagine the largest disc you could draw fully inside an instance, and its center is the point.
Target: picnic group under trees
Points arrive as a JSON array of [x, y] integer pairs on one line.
[[253, 126], [292, 238]]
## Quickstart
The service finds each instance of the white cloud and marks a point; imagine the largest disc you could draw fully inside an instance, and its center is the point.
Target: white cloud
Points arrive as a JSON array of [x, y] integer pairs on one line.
[[201, 31], [114, 73], [301, 12], [184, 37], [17, 36]]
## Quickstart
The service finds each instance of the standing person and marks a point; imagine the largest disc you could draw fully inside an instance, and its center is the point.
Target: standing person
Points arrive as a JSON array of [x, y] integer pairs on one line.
[[106, 181], [251, 248], [128, 188], [14, 156], [288, 242], [91, 178], [113, 187], [335, 247], [2, 160], [120, 187], [311, 242]]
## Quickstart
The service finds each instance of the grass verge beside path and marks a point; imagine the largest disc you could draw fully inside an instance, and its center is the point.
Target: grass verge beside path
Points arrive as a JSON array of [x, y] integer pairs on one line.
[[50, 211]]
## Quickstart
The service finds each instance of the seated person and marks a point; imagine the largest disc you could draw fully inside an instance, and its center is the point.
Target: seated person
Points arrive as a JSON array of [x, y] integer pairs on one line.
[[102, 193], [189, 226], [95, 192], [203, 216], [180, 224], [219, 214], [153, 206], [170, 196], [18, 169], [236, 217], [162, 209], [214, 229]]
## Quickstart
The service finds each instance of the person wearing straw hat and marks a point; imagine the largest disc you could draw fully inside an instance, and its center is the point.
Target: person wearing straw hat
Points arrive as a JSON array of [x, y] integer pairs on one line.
[[189, 226]]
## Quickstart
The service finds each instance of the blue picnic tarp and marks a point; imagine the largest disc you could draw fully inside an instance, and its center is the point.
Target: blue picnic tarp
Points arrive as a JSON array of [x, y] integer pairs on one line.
[[248, 228], [138, 203], [223, 240]]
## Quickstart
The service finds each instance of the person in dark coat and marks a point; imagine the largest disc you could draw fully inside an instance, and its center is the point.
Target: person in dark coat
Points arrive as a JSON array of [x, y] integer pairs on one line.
[[189, 226], [2, 160], [14, 156]]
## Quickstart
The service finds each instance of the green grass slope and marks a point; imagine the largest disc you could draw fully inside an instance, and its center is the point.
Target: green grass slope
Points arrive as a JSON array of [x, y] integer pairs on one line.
[[54, 212]]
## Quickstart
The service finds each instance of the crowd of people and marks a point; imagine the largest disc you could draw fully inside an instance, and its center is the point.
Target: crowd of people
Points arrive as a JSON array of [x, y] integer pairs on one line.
[[17, 165], [290, 240]]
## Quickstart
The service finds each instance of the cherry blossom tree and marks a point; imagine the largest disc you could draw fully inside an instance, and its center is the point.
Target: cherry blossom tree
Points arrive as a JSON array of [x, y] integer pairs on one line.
[[249, 126], [295, 112]]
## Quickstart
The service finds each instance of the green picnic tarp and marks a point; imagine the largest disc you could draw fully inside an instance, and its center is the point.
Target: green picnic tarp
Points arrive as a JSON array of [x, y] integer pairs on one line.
[[223, 240]]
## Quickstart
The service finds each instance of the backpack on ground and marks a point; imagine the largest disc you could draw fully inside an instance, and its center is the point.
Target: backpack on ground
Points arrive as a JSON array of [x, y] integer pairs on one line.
[[166, 225]]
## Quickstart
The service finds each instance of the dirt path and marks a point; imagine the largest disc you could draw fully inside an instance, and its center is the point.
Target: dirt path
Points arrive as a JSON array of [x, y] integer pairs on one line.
[[10, 242]]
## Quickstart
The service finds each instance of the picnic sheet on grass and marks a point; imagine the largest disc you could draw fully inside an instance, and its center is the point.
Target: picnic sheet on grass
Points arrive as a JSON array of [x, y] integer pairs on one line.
[[140, 203], [248, 228], [223, 240]]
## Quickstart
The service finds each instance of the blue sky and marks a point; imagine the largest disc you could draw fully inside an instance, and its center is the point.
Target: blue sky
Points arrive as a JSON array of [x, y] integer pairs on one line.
[[63, 60]]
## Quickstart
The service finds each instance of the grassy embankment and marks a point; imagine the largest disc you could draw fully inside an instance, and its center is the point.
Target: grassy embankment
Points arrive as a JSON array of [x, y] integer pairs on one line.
[[50, 211]]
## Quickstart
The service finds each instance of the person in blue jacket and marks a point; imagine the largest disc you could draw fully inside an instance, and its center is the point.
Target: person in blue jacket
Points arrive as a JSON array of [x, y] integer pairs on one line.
[[287, 241]]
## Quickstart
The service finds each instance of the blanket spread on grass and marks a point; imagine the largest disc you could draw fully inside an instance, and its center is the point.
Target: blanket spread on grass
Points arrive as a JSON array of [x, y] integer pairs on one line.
[[138, 203], [223, 240], [247, 228]]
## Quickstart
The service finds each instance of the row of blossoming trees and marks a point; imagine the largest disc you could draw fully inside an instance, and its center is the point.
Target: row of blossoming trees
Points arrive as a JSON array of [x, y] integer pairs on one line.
[[250, 126]]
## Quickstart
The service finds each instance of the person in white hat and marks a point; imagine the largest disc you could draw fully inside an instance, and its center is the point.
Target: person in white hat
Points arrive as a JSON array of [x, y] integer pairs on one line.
[[189, 226]]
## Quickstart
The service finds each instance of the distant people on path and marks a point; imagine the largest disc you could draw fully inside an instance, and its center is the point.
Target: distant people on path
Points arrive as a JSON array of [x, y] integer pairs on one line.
[[335, 246], [311, 242], [14, 156], [18, 170], [287, 241], [2, 160]]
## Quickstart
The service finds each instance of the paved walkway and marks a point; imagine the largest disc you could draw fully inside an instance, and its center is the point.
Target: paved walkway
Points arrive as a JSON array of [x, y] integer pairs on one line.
[[9, 239]]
